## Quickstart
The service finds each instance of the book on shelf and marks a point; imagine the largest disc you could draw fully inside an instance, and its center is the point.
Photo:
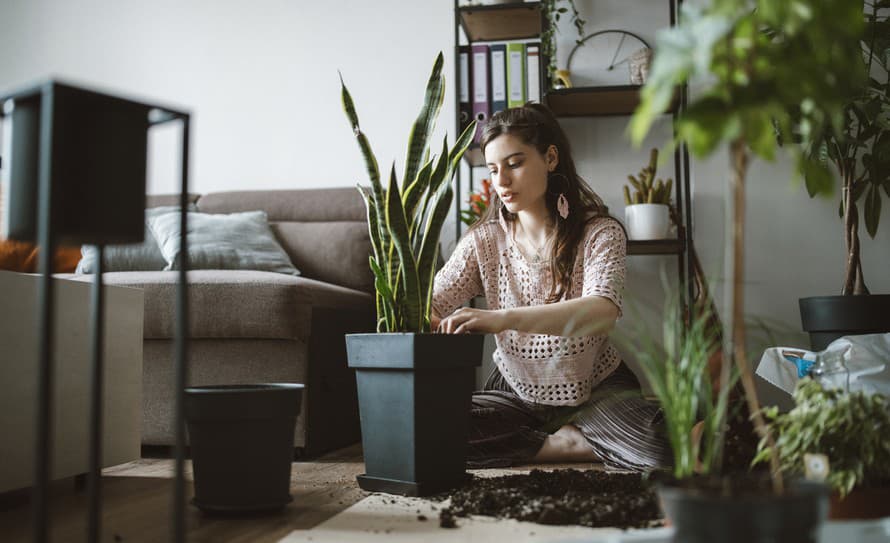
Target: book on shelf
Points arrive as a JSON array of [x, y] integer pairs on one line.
[[498, 59], [533, 72], [481, 87], [516, 81], [466, 106]]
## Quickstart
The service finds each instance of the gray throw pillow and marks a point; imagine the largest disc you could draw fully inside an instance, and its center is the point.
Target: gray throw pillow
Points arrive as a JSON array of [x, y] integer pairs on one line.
[[145, 256], [235, 241]]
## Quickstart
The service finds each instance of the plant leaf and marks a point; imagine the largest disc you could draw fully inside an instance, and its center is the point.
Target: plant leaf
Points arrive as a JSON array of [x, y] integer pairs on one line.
[[426, 121]]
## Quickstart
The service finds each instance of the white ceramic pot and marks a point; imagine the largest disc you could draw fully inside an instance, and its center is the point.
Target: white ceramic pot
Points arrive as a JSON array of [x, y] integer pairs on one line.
[[647, 221]]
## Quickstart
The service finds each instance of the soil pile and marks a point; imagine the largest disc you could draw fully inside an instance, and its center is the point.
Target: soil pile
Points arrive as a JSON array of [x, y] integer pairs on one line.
[[591, 498]]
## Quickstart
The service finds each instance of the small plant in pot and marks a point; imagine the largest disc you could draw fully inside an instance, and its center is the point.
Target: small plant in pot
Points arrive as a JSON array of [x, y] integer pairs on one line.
[[857, 145], [414, 387], [647, 215], [754, 63], [842, 438]]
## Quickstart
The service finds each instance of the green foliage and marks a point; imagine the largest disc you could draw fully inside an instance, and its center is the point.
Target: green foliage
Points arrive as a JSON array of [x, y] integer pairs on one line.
[[677, 372], [857, 143], [763, 65], [553, 13], [405, 220], [852, 430], [646, 189]]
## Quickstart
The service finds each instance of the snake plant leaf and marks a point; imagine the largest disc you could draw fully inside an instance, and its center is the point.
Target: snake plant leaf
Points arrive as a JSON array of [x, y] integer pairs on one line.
[[384, 294], [416, 190], [370, 161], [430, 243], [460, 146], [437, 177], [373, 226], [426, 121], [397, 224]]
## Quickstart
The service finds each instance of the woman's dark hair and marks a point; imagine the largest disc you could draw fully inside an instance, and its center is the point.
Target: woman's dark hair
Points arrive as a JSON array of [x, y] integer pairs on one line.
[[535, 125]]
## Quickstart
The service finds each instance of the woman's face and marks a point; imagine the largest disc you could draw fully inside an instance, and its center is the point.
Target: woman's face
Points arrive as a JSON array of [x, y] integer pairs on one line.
[[519, 172]]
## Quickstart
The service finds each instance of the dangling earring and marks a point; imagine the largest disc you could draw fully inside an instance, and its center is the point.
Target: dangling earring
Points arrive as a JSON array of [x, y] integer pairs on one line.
[[562, 206], [562, 203]]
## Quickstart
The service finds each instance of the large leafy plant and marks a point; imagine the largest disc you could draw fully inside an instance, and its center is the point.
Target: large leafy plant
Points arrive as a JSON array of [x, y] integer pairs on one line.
[[859, 147], [756, 63], [405, 219], [851, 430]]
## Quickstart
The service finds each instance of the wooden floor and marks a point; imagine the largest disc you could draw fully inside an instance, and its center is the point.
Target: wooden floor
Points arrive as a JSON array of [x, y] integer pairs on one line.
[[137, 499]]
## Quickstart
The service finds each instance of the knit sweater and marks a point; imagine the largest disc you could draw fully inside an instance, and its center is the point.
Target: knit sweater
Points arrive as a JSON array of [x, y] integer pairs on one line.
[[541, 368]]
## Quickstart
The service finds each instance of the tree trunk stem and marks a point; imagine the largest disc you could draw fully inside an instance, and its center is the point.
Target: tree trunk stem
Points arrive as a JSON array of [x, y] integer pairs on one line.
[[739, 154]]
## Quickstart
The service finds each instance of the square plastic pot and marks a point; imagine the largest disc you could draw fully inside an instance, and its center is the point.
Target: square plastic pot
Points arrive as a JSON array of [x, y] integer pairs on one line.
[[414, 393]]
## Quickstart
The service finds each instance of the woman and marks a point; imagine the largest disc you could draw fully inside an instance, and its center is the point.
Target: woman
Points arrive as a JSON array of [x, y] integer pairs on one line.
[[550, 262]]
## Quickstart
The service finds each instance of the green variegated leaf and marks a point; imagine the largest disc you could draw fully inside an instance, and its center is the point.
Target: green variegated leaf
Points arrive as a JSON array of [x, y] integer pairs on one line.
[[416, 190], [426, 121], [397, 224]]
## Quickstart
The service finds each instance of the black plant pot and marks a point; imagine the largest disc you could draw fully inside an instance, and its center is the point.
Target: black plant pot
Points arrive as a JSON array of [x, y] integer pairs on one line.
[[827, 318], [242, 445], [706, 516], [414, 393]]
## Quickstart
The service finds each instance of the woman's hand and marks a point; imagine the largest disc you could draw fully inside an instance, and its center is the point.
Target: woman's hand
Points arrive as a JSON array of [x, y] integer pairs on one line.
[[480, 321]]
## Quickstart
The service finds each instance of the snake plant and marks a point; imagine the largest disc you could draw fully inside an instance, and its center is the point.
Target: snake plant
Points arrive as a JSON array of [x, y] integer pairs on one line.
[[405, 219]]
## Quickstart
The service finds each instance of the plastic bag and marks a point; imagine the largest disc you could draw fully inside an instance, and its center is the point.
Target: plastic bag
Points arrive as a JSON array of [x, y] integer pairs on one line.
[[867, 357]]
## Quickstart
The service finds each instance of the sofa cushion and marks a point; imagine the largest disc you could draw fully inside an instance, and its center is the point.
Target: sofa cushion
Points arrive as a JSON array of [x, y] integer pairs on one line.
[[234, 241], [145, 256], [323, 231], [235, 303]]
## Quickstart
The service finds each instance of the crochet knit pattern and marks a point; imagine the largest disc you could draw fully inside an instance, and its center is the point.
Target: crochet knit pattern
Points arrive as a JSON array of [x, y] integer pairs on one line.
[[546, 369]]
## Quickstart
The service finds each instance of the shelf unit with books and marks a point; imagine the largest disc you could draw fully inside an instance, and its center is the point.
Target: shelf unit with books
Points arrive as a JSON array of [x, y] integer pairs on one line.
[[526, 21]]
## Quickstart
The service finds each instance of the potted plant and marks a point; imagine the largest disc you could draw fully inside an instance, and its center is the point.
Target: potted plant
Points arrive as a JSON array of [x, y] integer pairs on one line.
[[552, 14], [755, 62], [414, 387], [647, 215], [857, 145], [841, 438]]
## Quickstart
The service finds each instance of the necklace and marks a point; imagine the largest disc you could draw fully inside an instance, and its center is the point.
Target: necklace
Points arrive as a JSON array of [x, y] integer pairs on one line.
[[532, 251]]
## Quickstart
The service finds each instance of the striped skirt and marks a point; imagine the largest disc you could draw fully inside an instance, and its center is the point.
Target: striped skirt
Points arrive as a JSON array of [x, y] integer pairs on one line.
[[624, 429]]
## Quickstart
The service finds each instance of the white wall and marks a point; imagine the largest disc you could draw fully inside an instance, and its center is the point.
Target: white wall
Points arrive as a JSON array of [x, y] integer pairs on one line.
[[261, 81], [259, 77]]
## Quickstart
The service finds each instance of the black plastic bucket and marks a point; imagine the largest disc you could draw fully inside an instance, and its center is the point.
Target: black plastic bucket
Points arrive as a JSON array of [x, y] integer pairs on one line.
[[242, 445]]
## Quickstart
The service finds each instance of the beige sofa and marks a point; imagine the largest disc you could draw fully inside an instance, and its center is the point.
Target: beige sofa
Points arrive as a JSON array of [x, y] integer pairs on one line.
[[251, 326]]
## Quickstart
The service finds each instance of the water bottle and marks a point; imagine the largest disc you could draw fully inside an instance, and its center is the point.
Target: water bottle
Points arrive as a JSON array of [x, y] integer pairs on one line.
[[830, 371]]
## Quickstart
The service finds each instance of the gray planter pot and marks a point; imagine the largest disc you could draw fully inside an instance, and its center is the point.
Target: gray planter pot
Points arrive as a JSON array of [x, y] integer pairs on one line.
[[242, 445], [707, 515], [414, 393], [826, 318]]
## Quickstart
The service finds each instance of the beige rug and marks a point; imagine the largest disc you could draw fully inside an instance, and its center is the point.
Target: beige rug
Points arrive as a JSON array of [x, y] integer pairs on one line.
[[382, 517]]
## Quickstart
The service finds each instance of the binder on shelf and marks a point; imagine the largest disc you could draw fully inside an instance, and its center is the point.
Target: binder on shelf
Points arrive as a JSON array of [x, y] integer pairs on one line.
[[498, 56], [533, 72], [466, 105], [515, 74], [481, 88]]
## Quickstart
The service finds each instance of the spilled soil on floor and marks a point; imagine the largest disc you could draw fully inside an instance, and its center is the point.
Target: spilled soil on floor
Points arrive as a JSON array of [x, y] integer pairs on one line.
[[593, 498]]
